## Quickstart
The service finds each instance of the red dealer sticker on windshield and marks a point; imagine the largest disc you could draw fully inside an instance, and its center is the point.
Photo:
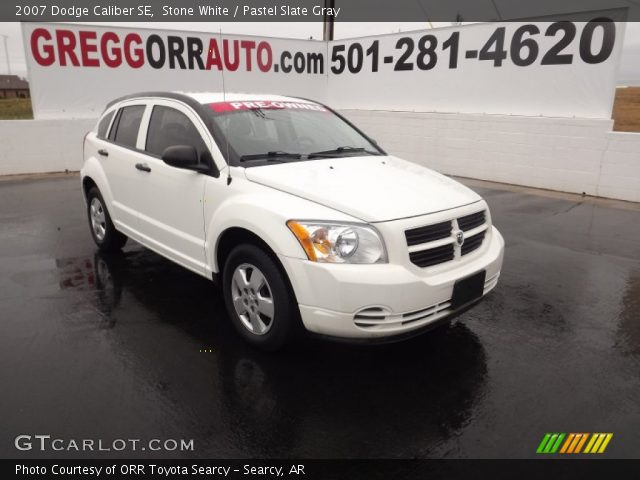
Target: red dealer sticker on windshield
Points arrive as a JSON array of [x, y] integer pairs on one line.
[[221, 107]]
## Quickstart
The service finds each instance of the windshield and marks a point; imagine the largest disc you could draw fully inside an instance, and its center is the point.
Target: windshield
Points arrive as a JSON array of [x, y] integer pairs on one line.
[[261, 131]]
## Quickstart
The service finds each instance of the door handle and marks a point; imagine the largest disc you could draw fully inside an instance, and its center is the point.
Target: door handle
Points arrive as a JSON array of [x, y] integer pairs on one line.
[[143, 166], [103, 152]]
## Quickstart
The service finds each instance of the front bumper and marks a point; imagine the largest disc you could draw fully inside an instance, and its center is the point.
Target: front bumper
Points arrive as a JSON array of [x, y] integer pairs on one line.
[[386, 300]]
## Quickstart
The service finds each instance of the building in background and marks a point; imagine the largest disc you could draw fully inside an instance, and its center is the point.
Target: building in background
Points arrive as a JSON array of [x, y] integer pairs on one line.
[[12, 86]]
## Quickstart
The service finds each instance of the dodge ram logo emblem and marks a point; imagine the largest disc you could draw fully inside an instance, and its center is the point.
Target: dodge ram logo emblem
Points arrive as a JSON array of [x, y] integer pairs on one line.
[[460, 238]]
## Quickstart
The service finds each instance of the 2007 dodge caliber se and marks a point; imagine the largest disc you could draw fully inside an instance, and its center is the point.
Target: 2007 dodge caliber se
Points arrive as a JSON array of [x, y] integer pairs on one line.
[[303, 219]]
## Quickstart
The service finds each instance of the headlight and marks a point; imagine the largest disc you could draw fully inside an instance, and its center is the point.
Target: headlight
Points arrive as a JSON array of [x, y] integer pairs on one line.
[[339, 243]]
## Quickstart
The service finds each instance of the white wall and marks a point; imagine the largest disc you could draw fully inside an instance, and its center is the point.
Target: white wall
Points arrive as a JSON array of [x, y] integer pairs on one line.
[[620, 168], [38, 146], [570, 155]]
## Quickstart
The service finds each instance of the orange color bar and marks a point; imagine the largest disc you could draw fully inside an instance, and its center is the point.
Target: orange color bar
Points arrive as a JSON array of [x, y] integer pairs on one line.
[[567, 442], [581, 443], [574, 443]]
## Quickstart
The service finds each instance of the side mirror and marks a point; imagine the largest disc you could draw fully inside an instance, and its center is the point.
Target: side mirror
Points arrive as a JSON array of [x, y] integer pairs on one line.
[[207, 159], [185, 157]]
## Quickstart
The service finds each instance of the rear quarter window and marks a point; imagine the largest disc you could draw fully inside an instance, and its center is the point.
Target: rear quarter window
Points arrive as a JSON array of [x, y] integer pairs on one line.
[[103, 126]]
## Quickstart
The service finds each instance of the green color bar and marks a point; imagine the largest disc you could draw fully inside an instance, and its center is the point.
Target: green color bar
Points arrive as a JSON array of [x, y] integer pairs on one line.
[[558, 442], [543, 442], [550, 443]]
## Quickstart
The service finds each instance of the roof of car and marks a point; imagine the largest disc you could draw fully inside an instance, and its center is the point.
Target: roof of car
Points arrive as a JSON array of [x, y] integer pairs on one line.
[[213, 97], [204, 98]]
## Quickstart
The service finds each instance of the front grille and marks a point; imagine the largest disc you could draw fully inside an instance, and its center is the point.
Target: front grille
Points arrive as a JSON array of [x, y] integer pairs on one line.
[[472, 243], [438, 232], [416, 236], [471, 221], [432, 256]]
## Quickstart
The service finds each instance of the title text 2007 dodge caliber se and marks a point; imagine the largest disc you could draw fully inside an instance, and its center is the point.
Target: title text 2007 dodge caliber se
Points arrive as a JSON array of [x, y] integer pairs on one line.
[[301, 217]]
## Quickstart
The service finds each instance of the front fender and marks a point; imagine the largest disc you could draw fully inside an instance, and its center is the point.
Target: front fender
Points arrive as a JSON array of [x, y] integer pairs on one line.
[[265, 215]]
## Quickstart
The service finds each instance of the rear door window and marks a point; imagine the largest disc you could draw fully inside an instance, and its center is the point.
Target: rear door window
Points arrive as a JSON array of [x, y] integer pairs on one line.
[[125, 130], [169, 127]]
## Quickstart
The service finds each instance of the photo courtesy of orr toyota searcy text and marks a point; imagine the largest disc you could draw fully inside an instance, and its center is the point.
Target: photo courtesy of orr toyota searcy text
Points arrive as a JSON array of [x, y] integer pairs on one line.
[[163, 471]]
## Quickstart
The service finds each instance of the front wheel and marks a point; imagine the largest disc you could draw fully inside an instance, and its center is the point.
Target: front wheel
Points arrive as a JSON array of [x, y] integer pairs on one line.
[[104, 234], [258, 298]]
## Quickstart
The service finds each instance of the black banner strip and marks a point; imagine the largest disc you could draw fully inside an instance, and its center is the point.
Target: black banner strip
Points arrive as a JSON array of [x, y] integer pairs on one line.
[[426, 11]]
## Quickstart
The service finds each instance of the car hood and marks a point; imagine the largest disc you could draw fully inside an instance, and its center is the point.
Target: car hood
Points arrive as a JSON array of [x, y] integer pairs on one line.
[[371, 188]]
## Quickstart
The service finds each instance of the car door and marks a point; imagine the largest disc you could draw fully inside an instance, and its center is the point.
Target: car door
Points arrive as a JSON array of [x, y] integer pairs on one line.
[[118, 157], [169, 199]]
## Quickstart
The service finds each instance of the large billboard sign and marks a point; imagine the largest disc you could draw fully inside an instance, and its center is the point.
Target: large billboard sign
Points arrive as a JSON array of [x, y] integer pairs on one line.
[[75, 70], [561, 69]]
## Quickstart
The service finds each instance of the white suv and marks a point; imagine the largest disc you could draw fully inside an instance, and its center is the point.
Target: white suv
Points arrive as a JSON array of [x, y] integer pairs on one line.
[[302, 218]]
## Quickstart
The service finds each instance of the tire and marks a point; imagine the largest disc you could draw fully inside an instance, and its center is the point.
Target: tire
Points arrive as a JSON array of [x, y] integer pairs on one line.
[[250, 279], [104, 234]]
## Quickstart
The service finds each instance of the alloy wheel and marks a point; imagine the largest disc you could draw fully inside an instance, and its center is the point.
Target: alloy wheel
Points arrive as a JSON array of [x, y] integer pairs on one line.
[[252, 298]]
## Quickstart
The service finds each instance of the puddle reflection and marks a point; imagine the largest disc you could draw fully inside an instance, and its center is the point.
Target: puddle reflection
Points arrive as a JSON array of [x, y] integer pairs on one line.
[[320, 398]]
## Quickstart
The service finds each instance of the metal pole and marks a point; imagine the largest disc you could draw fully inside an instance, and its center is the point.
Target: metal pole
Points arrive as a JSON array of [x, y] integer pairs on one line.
[[327, 31], [6, 52]]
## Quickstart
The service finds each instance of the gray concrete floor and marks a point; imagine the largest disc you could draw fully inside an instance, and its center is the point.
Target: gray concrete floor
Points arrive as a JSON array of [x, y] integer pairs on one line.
[[110, 347]]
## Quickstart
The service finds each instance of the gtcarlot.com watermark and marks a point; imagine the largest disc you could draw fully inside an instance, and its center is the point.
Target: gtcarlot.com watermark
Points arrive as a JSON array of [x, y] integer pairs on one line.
[[44, 443]]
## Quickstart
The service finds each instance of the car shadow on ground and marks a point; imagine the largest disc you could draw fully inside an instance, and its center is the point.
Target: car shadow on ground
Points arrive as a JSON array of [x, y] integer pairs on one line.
[[317, 398]]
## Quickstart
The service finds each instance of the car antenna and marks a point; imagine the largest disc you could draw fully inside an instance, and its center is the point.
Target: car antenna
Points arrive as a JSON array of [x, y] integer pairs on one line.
[[226, 133]]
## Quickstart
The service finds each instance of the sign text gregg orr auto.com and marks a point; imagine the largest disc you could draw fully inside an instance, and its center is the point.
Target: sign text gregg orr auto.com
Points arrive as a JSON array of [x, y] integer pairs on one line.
[[87, 48]]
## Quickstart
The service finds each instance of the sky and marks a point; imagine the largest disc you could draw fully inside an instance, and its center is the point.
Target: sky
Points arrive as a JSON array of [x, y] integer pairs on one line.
[[629, 73]]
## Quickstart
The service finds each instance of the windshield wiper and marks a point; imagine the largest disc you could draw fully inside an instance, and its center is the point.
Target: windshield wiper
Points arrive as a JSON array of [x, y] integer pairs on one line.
[[276, 156], [340, 151]]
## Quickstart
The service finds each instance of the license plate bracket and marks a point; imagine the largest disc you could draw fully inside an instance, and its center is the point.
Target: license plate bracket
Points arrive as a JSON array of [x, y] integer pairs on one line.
[[467, 290]]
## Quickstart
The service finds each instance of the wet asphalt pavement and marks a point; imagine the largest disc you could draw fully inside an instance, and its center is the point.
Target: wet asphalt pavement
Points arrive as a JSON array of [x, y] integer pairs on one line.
[[109, 347]]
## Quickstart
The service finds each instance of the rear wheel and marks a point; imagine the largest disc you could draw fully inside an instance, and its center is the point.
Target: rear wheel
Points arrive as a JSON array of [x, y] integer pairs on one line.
[[104, 234], [258, 298]]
